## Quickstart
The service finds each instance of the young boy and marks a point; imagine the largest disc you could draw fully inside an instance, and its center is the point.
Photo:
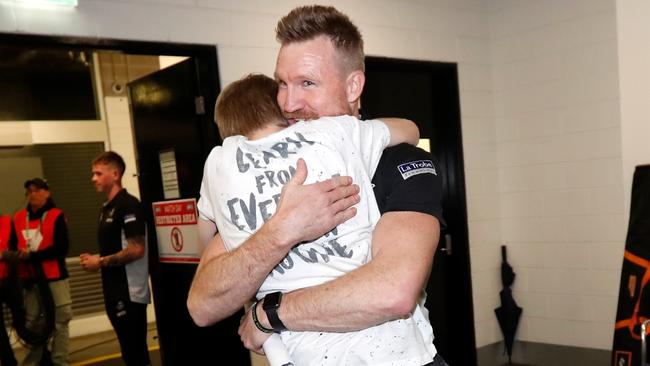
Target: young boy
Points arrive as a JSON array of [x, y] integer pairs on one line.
[[243, 179]]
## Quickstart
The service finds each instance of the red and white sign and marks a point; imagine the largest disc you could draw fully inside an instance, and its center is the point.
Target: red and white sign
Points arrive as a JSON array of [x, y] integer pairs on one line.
[[177, 231]]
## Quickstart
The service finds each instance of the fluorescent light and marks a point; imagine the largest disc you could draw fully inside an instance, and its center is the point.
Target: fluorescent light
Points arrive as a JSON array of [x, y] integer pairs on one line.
[[67, 3]]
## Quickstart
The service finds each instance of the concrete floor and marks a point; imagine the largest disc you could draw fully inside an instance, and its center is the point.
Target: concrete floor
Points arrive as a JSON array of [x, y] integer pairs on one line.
[[102, 349], [541, 354]]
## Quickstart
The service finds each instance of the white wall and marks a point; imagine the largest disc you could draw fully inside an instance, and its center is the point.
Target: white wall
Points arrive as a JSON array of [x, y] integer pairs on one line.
[[50, 132], [22, 168], [120, 133], [634, 58], [560, 163], [446, 30], [547, 153]]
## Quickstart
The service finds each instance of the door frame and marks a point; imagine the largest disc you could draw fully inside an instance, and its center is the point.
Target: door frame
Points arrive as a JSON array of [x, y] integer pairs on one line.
[[205, 56], [128, 46], [207, 71]]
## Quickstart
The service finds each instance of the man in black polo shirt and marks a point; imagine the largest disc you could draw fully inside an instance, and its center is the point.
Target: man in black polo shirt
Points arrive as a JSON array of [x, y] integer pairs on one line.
[[320, 72], [122, 259], [407, 180]]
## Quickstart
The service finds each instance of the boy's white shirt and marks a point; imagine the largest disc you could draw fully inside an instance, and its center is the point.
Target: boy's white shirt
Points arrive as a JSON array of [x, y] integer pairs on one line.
[[241, 184]]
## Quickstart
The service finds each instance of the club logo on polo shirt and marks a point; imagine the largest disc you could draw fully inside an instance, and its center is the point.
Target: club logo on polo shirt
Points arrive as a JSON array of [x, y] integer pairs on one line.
[[109, 216], [416, 167]]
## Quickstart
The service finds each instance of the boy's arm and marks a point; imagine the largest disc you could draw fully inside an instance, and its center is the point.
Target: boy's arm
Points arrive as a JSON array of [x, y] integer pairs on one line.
[[402, 131]]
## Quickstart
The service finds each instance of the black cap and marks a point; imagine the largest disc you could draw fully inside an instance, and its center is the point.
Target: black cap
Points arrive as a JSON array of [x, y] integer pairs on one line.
[[38, 183]]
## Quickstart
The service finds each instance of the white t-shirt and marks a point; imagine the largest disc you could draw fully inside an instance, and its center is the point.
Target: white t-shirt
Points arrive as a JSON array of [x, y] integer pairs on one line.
[[241, 186]]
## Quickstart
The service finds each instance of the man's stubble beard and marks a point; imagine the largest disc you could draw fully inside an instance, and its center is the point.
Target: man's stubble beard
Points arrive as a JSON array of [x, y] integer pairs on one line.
[[309, 115], [301, 115]]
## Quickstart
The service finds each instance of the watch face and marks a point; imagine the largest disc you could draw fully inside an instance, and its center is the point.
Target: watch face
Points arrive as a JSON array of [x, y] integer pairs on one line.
[[271, 307], [272, 300]]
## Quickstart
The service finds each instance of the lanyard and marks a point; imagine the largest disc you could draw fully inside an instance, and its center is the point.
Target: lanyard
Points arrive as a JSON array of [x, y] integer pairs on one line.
[[29, 238]]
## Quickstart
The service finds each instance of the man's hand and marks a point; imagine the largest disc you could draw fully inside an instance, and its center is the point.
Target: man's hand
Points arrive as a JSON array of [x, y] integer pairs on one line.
[[90, 262], [307, 212], [251, 337], [224, 280]]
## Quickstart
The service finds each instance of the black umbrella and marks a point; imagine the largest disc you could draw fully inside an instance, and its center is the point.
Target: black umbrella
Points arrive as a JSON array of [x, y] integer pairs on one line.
[[508, 313]]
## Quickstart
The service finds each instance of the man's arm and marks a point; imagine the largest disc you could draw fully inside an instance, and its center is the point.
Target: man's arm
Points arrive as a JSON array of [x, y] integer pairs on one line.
[[224, 280], [403, 246], [132, 223], [134, 250], [386, 288]]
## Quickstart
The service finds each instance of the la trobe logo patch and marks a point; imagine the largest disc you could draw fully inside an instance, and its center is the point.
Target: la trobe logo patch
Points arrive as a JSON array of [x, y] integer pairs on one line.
[[416, 167]]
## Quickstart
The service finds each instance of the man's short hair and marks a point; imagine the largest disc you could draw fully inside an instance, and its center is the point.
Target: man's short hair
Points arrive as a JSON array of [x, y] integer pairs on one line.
[[111, 158], [308, 22], [247, 105]]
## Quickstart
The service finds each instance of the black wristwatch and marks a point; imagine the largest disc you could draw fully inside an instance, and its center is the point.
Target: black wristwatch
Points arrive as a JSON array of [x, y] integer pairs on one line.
[[271, 305]]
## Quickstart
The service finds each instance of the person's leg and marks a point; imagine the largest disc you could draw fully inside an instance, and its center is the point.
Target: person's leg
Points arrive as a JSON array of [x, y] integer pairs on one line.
[[33, 321], [130, 323], [61, 335], [140, 349], [63, 315], [6, 352]]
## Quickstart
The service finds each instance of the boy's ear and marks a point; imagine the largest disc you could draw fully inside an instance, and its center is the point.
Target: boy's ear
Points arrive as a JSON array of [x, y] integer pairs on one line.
[[354, 85]]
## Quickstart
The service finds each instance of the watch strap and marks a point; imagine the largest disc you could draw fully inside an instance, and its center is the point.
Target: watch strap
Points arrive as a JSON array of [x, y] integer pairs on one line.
[[271, 305], [257, 321]]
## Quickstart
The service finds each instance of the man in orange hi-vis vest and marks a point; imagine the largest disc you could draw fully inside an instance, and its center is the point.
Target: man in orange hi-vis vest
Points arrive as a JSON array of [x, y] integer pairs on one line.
[[42, 239], [6, 353]]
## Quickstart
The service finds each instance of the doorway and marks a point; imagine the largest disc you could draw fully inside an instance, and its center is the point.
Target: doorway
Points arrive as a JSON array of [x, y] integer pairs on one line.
[[173, 335], [172, 113], [427, 93]]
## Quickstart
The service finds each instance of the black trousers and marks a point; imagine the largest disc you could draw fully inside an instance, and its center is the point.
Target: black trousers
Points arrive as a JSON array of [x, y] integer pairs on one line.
[[6, 353], [437, 361], [129, 319]]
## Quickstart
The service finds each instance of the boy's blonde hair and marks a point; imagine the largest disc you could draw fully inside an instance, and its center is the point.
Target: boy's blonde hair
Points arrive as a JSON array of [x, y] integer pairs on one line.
[[247, 105]]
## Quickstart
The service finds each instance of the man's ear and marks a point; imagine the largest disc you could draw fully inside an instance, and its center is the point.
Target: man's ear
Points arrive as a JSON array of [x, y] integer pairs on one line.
[[354, 85]]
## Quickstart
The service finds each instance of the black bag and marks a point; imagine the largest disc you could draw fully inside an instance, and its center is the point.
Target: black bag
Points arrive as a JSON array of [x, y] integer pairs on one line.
[[634, 292]]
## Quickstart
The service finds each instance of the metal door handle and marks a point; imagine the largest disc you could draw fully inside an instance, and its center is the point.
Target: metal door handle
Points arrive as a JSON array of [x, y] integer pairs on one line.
[[447, 248], [644, 326]]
